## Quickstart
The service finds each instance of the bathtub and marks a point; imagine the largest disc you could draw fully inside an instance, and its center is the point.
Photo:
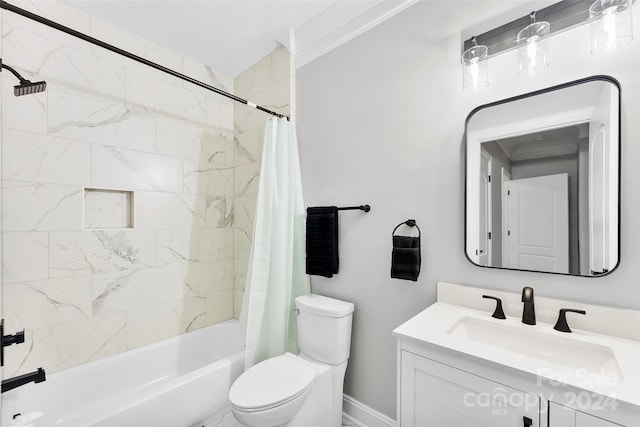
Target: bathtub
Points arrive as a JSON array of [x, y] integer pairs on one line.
[[180, 382]]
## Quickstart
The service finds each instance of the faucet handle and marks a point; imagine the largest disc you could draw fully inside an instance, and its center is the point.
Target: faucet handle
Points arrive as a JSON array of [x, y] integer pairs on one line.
[[561, 325], [6, 340], [497, 313]]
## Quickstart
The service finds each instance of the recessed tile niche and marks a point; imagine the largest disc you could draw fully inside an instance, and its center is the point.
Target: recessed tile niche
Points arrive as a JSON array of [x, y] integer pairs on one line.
[[108, 209]]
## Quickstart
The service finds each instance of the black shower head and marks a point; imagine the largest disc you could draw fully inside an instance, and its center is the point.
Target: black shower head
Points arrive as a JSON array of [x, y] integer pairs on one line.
[[26, 87]]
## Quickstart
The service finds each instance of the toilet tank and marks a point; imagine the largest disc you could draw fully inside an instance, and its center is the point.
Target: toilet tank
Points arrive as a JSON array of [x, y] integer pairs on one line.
[[324, 328]]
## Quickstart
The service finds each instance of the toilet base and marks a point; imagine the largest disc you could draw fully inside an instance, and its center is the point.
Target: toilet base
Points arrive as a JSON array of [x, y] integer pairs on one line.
[[322, 407]]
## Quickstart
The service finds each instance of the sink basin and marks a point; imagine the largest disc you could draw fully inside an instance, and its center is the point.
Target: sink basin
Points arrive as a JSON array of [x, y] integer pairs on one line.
[[583, 360], [526, 341]]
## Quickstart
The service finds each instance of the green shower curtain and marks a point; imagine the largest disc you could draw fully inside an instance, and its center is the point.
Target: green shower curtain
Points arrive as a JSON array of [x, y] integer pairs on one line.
[[276, 272]]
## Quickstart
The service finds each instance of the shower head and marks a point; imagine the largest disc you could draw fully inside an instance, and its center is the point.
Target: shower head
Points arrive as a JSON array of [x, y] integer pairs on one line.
[[26, 87]]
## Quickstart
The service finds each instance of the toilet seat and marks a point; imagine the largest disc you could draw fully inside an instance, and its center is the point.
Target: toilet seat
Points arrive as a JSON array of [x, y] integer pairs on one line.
[[272, 383]]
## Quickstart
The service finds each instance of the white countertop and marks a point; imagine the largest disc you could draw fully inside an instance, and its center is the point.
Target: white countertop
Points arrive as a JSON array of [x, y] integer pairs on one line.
[[443, 325]]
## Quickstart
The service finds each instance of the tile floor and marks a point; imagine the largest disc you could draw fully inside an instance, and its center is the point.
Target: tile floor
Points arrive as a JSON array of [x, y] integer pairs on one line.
[[227, 420]]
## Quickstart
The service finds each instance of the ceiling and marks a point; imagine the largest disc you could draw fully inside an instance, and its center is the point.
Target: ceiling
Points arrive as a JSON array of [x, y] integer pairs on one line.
[[548, 143], [232, 35]]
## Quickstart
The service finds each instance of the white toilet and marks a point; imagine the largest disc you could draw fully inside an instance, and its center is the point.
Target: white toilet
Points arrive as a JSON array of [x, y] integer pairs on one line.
[[303, 390]]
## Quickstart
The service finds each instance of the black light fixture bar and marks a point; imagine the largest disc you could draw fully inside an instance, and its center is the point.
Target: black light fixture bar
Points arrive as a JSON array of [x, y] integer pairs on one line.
[[561, 16], [25, 13]]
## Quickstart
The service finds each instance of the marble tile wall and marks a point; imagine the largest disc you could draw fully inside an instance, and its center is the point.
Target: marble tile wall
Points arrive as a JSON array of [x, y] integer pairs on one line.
[[107, 209], [267, 83], [83, 292]]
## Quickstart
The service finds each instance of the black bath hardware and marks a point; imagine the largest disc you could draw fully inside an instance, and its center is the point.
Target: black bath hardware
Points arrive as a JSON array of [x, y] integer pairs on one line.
[[323, 251], [562, 325], [497, 313], [405, 254], [528, 422], [409, 222], [122, 52], [8, 340], [35, 377], [26, 87], [365, 208], [528, 311]]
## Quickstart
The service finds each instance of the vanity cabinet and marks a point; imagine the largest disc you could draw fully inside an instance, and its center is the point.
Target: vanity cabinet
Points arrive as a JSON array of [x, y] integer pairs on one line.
[[561, 416], [459, 366], [435, 394]]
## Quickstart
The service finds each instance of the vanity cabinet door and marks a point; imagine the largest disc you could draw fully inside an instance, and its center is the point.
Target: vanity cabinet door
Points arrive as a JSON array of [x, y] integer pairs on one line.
[[586, 420], [437, 395], [561, 416]]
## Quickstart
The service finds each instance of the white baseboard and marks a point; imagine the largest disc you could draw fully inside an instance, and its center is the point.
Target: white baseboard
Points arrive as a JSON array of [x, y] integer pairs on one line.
[[362, 415]]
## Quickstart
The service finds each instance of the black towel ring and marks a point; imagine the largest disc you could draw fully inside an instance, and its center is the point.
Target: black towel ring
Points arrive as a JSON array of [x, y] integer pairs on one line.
[[410, 223]]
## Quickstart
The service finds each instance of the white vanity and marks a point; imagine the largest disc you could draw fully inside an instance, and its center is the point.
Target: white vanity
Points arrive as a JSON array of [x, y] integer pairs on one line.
[[458, 366]]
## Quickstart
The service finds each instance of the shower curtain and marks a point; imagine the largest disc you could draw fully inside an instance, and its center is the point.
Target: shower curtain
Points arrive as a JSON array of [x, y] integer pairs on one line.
[[276, 272]]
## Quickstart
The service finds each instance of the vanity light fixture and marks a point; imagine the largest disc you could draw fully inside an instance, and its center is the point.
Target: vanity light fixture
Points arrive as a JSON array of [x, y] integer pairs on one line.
[[475, 69], [533, 47], [611, 25]]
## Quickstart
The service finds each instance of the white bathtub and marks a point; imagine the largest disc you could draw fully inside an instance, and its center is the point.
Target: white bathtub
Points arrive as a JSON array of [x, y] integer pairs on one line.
[[180, 382]]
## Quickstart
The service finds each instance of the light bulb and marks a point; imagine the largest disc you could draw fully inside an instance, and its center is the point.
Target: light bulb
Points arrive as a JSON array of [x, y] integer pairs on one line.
[[473, 70], [609, 26], [532, 47], [475, 73]]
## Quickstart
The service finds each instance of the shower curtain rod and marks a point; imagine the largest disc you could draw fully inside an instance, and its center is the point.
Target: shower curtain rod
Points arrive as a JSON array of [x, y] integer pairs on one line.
[[25, 13]]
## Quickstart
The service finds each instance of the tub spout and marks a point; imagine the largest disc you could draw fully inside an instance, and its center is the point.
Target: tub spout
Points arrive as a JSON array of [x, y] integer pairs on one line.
[[35, 376]]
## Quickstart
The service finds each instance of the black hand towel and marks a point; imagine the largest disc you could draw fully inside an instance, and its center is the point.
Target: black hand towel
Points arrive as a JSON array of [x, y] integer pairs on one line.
[[322, 241], [405, 256]]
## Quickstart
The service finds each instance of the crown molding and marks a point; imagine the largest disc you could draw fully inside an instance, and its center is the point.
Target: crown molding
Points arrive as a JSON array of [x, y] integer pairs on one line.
[[341, 22]]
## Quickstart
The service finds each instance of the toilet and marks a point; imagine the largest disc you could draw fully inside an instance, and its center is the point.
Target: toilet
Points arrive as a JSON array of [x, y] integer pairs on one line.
[[304, 389]]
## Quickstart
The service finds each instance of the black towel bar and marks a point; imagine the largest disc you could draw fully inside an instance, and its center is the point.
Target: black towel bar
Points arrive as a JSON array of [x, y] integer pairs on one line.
[[365, 208]]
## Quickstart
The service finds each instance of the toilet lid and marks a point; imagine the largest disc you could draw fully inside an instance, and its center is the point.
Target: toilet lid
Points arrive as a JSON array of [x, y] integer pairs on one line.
[[272, 382]]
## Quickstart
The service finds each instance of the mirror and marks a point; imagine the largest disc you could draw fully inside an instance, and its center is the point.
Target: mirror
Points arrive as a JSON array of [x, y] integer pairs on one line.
[[542, 180]]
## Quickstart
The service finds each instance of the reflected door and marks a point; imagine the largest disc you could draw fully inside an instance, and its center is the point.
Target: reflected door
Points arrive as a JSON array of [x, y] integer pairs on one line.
[[538, 223], [484, 238]]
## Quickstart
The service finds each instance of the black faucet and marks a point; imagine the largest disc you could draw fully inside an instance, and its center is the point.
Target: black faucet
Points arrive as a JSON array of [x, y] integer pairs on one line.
[[528, 311], [561, 324], [35, 376], [498, 313]]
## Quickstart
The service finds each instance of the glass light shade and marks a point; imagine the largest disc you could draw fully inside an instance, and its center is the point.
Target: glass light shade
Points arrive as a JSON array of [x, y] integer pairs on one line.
[[611, 25], [475, 70], [533, 48]]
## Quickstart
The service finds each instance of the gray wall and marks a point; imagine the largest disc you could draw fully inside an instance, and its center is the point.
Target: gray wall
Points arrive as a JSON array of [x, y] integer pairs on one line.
[[381, 121]]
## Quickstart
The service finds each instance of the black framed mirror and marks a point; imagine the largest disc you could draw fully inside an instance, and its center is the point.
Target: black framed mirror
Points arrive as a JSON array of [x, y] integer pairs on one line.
[[542, 189]]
